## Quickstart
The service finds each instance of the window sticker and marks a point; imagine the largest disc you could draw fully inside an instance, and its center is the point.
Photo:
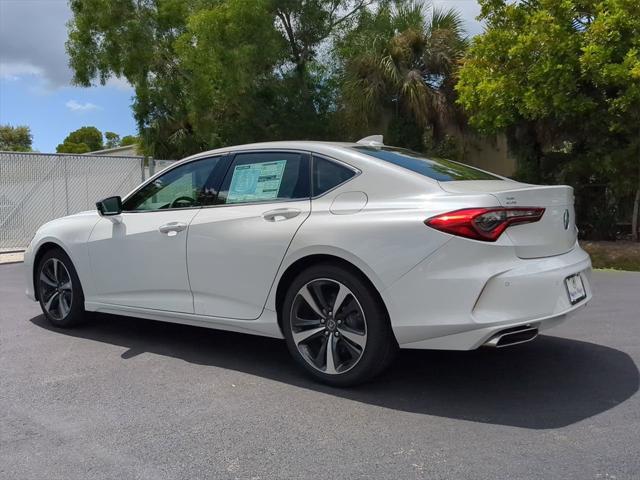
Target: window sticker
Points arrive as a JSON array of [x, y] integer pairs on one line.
[[256, 182]]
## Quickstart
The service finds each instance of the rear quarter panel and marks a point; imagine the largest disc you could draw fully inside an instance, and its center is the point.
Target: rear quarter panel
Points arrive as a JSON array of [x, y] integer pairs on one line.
[[387, 237]]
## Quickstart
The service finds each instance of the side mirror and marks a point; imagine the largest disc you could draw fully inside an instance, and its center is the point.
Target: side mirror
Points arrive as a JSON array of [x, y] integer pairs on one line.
[[109, 206]]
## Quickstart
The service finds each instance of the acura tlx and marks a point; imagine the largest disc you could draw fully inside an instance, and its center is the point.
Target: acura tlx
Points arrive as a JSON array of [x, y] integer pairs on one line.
[[346, 250]]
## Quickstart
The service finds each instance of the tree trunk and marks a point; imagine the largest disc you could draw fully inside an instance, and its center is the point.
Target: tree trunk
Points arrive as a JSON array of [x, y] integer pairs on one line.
[[634, 220], [636, 210]]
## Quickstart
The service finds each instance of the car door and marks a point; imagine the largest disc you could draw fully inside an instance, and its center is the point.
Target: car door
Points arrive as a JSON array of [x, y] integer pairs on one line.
[[138, 258], [234, 249]]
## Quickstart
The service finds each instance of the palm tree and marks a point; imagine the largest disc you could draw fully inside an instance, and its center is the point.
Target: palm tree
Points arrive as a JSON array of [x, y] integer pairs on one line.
[[401, 62]]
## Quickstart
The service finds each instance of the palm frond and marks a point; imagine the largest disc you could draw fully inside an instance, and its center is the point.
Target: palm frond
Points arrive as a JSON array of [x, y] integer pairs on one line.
[[411, 15], [408, 67], [447, 19]]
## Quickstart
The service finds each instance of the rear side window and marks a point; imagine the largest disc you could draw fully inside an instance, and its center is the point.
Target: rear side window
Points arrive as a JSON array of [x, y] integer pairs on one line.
[[265, 177], [439, 169], [328, 174]]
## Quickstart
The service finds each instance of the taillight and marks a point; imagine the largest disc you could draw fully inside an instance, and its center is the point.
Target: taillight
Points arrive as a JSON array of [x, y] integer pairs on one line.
[[486, 224]]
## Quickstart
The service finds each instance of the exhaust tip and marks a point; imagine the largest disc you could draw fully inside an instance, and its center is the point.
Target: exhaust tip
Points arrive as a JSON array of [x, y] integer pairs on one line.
[[512, 336]]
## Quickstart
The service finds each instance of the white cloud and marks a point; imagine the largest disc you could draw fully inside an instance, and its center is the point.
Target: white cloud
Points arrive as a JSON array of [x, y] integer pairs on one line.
[[75, 106], [14, 71], [32, 36]]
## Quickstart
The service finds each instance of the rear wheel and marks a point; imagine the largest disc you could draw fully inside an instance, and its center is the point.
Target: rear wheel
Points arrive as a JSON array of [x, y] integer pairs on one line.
[[59, 290], [335, 326]]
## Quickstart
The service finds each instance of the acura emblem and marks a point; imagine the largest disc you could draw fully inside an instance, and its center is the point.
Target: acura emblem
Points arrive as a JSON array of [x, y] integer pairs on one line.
[[565, 219]]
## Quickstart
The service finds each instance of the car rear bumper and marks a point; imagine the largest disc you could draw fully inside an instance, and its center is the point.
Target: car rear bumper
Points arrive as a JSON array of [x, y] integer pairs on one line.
[[477, 337], [460, 296]]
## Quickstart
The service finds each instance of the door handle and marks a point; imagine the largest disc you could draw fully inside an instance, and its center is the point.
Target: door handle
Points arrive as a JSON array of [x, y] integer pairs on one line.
[[280, 214], [172, 228]]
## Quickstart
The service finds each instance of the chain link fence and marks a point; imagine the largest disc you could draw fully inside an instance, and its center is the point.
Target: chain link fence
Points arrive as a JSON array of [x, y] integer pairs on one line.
[[36, 188], [154, 166]]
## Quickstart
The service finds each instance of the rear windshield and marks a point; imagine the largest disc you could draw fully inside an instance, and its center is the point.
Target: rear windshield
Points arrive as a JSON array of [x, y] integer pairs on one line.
[[436, 168]]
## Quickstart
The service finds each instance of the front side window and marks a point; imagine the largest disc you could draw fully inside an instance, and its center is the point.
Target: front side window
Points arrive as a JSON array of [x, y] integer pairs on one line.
[[436, 168], [328, 175], [265, 177], [187, 186]]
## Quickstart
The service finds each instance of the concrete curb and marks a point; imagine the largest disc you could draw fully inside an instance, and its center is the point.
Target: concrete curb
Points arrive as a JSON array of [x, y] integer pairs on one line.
[[6, 258]]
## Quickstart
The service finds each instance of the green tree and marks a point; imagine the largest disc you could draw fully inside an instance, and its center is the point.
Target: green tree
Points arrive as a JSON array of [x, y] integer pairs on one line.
[[135, 40], [562, 80], [400, 69], [71, 147], [210, 73], [15, 139], [85, 139], [611, 61], [129, 140], [112, 140]]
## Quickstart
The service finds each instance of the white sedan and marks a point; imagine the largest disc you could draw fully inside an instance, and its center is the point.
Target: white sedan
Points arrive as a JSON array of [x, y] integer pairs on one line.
[[346, 250]]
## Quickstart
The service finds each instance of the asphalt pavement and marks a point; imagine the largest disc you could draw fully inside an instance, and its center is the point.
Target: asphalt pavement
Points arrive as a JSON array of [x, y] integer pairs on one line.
[[129, 398]]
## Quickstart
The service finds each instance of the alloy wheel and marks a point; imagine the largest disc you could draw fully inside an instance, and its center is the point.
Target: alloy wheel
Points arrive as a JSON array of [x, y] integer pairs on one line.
[[56, 289], [328, 326]]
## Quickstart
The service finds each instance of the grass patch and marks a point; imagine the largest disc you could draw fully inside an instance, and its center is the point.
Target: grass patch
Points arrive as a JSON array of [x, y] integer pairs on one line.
[[620, 255]]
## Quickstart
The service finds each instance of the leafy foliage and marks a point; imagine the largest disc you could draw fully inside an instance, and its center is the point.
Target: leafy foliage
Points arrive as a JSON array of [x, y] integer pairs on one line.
[[209, 73], [112, 140], [15, 139], [85, 139], [129, 140], [400, 69], [72, 147], [90, 139], [562, 79]]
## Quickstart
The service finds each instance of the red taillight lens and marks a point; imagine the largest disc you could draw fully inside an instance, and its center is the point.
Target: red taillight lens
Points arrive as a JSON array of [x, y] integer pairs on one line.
[[485, 224]]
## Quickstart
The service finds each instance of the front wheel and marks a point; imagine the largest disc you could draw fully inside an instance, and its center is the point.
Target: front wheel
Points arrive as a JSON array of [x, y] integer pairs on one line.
[[336, 327], [59, 290]]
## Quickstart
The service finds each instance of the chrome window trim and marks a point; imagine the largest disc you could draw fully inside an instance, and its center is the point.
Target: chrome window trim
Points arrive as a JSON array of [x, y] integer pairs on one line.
[[284, 200]]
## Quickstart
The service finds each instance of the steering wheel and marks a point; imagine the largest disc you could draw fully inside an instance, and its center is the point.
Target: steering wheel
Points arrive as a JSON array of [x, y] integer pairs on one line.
[[177, 202]]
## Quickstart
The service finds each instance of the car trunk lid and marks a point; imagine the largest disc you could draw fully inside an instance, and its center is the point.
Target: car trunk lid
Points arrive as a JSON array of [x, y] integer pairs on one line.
[[554, 234]]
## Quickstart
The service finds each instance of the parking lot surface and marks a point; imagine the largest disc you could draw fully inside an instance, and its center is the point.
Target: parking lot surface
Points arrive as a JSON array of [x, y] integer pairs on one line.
[[129, 398]]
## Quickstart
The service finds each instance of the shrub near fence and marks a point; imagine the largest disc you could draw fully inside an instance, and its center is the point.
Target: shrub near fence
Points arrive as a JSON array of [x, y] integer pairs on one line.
[[36, 188]]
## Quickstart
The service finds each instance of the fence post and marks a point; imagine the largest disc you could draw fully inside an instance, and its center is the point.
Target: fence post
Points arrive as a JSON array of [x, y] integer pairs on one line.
[[66, 186]]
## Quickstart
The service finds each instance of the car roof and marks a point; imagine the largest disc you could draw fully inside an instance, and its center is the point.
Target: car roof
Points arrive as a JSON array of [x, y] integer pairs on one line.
[[311, 145], [342, 151]]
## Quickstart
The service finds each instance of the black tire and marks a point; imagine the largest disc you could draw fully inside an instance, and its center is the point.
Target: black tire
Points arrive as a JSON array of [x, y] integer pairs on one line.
[[74, 301], [380, 345]]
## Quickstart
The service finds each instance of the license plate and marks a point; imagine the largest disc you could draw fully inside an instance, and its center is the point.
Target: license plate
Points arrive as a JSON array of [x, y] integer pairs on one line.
[[575, 288]]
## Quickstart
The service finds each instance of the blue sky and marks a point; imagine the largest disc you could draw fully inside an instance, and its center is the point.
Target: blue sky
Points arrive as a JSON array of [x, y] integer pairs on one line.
[[35, 88], [54, 112], [35, 80]]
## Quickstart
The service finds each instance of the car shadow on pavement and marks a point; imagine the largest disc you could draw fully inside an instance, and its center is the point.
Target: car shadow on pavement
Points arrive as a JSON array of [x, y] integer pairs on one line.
[[549, 383]]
